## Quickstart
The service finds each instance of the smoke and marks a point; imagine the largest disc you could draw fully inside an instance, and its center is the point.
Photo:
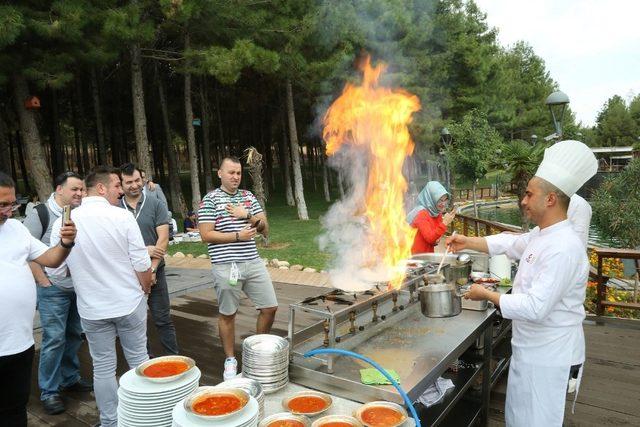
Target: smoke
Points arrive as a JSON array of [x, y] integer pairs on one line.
[[346, 233]]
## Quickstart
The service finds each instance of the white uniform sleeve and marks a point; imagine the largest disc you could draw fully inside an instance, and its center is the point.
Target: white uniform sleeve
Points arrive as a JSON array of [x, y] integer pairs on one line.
[[554, 272], [512, 245], [138, 253]]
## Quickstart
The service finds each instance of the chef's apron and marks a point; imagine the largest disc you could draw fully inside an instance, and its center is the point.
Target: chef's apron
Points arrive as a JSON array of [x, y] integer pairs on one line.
[[538, 379]]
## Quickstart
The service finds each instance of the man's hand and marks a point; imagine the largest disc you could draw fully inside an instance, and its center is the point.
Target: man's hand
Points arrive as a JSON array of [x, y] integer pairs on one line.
[[448, 217], [237, 211], [154, 279], [458, 242], [477, 293], [68, 233], [246, 233], [152, 185], [156, 252], [44, 283]]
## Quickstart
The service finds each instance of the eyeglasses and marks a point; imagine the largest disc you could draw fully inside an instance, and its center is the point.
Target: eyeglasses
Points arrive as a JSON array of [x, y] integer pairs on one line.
[[9, 207]]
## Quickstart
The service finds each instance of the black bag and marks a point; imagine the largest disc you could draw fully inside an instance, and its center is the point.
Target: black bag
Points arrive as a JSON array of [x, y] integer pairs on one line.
[[43, 214]]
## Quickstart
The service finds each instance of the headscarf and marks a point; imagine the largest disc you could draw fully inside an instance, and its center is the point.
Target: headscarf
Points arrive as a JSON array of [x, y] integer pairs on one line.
[[428, 200]]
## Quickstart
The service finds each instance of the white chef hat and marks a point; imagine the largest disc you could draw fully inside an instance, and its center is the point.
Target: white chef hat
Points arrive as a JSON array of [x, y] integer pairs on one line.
[[568, 165]]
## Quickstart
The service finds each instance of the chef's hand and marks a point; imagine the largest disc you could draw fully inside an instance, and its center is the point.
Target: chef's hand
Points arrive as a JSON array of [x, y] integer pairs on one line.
[[458, 242], [237, 211], [476, 293], [448, 217]]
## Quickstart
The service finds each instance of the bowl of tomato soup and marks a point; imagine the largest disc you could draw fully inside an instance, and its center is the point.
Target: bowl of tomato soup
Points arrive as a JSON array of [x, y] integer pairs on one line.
[[309, 403], [165, 369], [211, 403], [381, 414], [285, 419], [336, 421]]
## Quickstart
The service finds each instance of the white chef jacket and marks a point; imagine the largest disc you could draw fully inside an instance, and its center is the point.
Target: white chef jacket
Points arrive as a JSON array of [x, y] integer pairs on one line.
[[546, 306], [579, 213]]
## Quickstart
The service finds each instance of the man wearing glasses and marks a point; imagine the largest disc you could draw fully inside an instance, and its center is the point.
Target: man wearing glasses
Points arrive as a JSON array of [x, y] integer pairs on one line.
[[59, 366], [18, 301]]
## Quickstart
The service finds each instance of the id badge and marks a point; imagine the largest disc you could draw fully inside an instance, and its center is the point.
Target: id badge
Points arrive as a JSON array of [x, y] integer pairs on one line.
[[234, 274]]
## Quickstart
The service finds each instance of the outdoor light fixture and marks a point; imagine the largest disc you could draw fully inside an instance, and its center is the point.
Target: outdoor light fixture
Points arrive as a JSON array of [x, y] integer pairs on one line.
[[446, 136], [534, 139], [557, 103]]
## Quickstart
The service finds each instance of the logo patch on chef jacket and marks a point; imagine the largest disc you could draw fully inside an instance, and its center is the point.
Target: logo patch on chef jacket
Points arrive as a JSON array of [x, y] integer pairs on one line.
[[530, 258]]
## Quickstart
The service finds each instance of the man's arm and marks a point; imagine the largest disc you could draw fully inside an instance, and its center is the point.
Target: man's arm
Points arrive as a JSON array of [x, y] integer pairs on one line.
[[263, 228], [208, 234], [459, 242], [161, 244], [138, 254], [57, 254], [38, 273]]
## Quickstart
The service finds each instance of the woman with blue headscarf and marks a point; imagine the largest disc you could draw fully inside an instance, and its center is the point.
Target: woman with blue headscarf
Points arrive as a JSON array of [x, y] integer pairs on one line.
[[429, 217]]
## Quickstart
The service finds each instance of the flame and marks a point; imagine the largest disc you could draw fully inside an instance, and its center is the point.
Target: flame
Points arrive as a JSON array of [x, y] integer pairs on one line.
[[376, 119]]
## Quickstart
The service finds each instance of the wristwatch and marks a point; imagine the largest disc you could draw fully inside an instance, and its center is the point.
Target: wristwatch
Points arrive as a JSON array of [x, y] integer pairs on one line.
[[67, 246], [153, 269]]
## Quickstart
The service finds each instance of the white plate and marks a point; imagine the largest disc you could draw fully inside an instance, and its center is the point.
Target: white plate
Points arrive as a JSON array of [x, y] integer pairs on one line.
[[134, 384], [148, 398], [246, 417]]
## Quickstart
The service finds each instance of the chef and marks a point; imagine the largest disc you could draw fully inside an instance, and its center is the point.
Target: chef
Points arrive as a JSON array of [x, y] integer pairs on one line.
[[546, 304]]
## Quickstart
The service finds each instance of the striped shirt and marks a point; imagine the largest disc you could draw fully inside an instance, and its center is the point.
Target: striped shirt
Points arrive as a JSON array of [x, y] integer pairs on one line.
[[212, 210]]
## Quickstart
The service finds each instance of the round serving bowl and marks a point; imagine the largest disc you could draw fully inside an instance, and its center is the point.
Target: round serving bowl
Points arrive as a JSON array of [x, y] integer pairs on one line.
[[389, 405], [346, 419], [141, 368], [284, 416], [206, 392], [307, 393]]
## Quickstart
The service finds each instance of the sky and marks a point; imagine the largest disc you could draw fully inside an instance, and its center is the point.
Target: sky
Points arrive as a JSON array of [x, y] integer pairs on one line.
[[591, 47]]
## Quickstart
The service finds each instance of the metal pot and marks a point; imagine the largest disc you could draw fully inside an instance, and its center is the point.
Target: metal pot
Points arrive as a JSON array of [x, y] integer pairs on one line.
[[440, 300], [457, 273]]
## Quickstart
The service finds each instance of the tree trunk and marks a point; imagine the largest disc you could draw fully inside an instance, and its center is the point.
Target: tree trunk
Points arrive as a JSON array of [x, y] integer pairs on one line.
[[23, 166], [221, 142], [5, 148], [285, 160], [102, 149], [475, 199], [31, 139], [55, 141], [178, 205], [139, 114], [78, 134], [84, 135], [14, 172], [206, 144], [325, 175], [191, 137], [298, 190]]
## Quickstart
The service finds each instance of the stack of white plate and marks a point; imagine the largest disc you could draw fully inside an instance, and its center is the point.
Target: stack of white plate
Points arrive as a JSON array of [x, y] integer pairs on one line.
[[142, 403], [265, 358], [247, 417], [252, 387]]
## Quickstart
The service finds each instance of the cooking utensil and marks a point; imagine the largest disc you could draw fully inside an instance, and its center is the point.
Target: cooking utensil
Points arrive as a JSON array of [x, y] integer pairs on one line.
[[439, 300], [446, 251]]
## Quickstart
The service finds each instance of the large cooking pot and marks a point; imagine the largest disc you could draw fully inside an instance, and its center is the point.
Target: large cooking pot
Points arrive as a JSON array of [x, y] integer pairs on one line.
[[440, 300]]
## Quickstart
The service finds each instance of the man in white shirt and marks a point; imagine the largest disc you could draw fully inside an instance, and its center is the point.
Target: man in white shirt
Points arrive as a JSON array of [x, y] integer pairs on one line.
[[546, 304], [579, 214], [111, 272], [18, 301]]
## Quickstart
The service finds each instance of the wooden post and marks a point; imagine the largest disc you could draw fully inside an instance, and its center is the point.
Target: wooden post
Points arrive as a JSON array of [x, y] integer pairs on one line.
[[602, 291]]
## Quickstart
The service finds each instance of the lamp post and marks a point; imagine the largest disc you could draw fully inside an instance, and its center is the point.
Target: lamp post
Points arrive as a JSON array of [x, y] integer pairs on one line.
[[445, 136], [534, 139], [557, 103]]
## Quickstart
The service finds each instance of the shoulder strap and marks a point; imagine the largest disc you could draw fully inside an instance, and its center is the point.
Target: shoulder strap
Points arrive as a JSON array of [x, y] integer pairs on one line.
[[43, 214]]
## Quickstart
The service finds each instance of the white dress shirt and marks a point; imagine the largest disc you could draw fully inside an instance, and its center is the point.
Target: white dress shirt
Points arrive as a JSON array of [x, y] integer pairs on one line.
[[109, 250]]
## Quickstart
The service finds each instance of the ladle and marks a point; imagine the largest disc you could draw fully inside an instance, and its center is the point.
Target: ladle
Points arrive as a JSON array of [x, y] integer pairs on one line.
[[446, 251]]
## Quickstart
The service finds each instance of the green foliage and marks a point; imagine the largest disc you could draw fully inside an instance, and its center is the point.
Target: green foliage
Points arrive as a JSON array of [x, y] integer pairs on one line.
[[616, 204], [11, 25], [615, 124], [474, 146]]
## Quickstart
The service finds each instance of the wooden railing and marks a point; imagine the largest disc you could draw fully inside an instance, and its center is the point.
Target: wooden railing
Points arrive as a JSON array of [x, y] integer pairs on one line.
[[481, 193], [601, 279], [471, 226]]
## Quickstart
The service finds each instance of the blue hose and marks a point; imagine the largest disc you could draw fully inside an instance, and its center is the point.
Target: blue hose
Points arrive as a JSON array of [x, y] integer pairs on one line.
[[375, 365]]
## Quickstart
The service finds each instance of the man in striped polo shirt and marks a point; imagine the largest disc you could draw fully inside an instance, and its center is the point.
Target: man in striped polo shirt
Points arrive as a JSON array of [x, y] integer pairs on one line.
[[228, 220]]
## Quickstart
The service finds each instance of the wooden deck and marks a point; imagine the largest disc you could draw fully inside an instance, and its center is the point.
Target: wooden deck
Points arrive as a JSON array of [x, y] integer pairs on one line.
[[610, 392]]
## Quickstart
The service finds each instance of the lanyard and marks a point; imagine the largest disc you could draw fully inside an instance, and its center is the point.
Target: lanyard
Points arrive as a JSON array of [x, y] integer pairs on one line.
[[136, 212]]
